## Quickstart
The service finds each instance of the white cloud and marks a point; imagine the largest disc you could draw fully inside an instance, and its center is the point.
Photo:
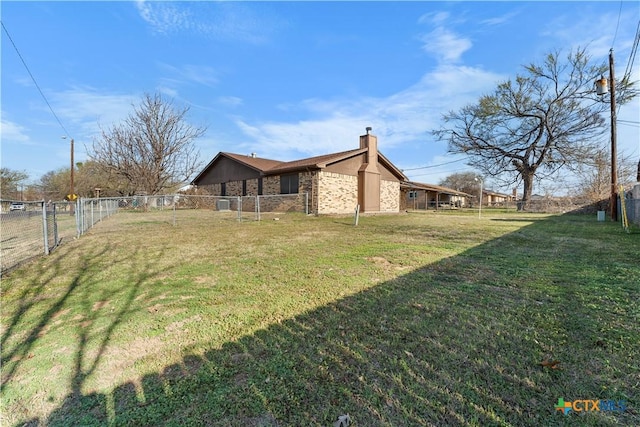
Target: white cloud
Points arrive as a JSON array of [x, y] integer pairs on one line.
[[442, 42], [164, 17], [13, 132], [405, 117], [85, 109], [498, 20], [189, 73], [445, 45], [230, 101], [222, 20]]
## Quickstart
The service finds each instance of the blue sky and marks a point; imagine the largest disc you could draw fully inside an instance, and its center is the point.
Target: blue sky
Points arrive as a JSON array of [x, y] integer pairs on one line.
[[285, 80]]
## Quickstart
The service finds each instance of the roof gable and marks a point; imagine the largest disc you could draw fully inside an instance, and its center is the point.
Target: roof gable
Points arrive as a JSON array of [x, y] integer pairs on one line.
[[274, 167], [317, 162], [258, 164]]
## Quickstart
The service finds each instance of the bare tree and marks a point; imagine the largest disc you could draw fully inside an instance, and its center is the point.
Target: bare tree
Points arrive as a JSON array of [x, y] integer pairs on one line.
[[534, 125], [152, 150], [467, 182], [595, 177], [10, 181]]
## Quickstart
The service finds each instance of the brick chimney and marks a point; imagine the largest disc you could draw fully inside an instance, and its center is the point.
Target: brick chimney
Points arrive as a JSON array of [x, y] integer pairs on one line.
[[369, 175]]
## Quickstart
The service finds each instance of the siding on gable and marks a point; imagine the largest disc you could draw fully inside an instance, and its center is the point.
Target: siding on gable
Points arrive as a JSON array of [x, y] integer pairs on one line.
[[226, 170], [348, 166]]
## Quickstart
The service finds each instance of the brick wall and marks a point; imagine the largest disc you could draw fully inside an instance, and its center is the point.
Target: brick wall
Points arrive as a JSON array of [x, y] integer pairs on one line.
[[333, 193], [337, 193], [234, 188], [389, 196]]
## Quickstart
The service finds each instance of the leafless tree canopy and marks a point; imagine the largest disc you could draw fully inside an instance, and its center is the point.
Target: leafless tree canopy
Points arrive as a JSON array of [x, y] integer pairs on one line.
[[152, 150], [9, 182], [532, 126], [467, 182], [595, 177]]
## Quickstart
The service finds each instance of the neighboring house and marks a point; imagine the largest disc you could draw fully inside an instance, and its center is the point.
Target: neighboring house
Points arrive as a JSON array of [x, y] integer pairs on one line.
[[335, 183], [417, 195], [491, 198]]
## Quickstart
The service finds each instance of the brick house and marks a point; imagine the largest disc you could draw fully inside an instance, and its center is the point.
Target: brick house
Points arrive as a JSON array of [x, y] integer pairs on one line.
[[335, 183], [491, 198], [417, 195]]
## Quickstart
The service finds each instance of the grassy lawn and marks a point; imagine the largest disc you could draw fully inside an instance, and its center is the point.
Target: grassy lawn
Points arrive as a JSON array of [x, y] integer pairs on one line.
[[419, 319]]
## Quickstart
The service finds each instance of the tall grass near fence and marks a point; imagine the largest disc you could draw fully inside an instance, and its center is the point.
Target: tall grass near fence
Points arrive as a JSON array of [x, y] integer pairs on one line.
[[425, 319]]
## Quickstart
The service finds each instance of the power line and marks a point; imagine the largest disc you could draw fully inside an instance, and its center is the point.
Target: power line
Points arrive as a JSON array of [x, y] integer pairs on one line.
[[469, 169], [632, 57], [33, 79], [433, 166], [617, 26]]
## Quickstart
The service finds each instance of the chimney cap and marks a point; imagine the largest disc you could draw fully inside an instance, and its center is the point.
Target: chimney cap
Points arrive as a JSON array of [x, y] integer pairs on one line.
[[369, 129]]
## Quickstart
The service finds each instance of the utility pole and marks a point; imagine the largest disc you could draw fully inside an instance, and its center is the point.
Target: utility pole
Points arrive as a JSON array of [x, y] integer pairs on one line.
[[71, 196], [72, 168], [614, 164]]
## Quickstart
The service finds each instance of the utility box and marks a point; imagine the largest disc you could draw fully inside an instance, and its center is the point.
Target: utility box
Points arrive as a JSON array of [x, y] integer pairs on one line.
[[223, 205], [601, 216]]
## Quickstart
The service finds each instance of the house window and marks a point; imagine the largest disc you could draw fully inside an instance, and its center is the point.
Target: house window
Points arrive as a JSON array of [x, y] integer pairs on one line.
[[223, 189], [259, 186], [289, 184], [413, 194], [244, 187]]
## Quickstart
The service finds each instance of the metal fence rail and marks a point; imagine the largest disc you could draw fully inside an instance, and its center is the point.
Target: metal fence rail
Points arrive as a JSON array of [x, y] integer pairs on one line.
[[240, 208], [32, 229], [37, 228], [89, 212]]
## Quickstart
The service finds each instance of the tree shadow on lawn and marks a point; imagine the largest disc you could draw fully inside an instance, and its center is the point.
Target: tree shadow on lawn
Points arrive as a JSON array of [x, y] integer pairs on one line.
[[44, 307], [456, 342]]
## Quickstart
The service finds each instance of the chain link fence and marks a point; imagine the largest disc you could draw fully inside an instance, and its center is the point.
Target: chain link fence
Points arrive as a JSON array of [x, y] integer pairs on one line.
[[30, 229], [224, 208], [632, 208]]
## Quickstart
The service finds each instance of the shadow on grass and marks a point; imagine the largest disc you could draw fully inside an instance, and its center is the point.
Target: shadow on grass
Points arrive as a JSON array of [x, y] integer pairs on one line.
[[456, 342], [91, 334]]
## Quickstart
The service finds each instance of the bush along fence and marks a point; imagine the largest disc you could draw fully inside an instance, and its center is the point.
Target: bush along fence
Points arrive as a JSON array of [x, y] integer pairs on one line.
[[31, 229]]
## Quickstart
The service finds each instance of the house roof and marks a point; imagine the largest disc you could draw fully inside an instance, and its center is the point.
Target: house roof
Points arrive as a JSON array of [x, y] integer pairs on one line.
[[273, 167], [256, 163], [435, 188], [493, 193], [317, 162]]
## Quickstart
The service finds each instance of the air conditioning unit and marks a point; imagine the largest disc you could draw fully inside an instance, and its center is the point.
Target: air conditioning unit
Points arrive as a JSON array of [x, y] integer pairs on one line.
[[223, 205]]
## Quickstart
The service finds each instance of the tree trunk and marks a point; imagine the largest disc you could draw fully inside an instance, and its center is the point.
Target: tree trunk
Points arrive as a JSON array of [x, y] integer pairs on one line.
[[528, 189]]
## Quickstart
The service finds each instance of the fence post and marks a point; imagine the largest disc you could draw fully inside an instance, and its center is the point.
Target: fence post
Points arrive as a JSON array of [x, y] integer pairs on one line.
[[306, 203], [239, 208], [80, 217], [54, 208], [258, 208], [45, 229]]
